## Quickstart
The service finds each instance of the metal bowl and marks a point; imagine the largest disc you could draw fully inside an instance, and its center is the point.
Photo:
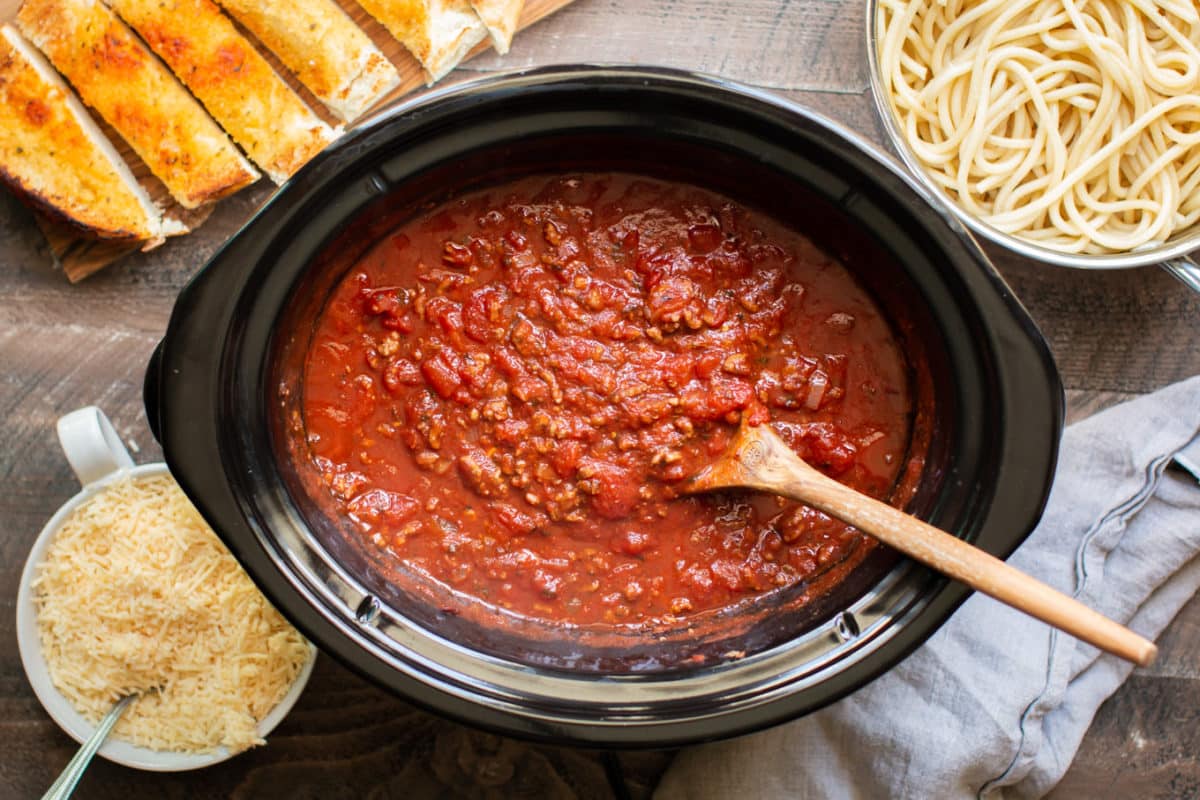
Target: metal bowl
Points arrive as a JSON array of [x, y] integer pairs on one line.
[[1172, 255]]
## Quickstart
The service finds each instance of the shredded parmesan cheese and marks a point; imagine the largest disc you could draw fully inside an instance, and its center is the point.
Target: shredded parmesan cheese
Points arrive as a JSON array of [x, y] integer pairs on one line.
[[137, 594]]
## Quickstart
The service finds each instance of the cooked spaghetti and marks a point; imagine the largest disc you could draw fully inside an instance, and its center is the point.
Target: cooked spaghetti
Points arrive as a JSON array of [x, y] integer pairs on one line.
[[1072, 124]]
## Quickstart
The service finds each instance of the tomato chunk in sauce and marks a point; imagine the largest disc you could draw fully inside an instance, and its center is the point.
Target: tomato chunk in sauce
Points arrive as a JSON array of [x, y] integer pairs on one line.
[[506, 393]]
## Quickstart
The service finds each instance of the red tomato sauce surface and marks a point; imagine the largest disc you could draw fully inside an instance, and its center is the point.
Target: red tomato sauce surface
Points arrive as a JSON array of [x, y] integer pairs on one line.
[[506, 393]]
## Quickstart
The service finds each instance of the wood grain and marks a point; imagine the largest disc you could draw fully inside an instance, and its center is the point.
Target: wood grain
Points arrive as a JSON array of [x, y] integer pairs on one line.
[[777, 44], [1115, 336], [1142, 744]]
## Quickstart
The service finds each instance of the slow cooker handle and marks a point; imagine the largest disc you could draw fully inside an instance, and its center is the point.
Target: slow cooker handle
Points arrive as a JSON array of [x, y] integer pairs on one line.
[[1186, 270], [150, 388]]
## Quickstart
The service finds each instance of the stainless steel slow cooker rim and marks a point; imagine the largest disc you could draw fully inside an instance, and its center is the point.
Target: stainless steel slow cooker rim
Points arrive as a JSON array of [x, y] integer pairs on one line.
[[1176, 249], [514, 685]]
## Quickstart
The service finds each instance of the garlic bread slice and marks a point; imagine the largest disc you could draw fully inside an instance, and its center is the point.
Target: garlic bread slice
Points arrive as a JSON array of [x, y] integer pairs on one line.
[[55, 155], [235, 83], [322, 46], [439, 33], [116, 74]]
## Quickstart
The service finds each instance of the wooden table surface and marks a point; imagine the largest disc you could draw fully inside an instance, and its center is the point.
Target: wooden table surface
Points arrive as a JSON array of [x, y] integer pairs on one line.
[[1114, 335]]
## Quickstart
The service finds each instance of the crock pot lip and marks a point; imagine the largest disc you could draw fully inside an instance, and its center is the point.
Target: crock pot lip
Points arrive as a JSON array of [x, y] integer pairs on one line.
[[1022, 335]]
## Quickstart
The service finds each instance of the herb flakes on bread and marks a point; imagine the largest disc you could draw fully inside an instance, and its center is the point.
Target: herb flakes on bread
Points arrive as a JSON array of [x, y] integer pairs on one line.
[[54, 154], [116, 75], [321, 45], [234, 82]]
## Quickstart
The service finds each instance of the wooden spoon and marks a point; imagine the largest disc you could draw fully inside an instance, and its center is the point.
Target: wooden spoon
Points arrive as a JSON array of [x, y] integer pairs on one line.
[[759, 459]]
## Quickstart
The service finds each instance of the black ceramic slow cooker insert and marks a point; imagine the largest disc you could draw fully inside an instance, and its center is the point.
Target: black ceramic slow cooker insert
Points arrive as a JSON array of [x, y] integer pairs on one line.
[[213, 398]]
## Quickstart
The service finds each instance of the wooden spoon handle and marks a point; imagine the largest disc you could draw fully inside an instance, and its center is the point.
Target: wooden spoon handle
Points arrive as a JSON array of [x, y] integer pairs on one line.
[[776, 468]]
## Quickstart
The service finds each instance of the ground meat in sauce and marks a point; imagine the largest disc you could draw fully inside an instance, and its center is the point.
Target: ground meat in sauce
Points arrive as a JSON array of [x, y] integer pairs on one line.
[[506, 392]]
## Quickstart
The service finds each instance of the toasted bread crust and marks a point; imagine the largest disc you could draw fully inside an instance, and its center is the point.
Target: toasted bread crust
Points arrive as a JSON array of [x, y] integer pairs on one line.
[[234, 82], [439, 33], [116, 75], [57, 165], [501, 18], [61, 210], [322, 46]]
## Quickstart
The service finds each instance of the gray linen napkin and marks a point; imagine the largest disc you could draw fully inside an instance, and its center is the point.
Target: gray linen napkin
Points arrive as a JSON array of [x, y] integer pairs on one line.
[[995, 704]]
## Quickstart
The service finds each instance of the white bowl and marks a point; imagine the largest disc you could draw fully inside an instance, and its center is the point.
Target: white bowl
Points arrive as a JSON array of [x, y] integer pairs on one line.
[[98, 458]]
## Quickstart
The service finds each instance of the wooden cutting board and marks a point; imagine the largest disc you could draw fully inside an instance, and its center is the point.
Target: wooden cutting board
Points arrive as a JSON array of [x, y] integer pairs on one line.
[[80, 257]]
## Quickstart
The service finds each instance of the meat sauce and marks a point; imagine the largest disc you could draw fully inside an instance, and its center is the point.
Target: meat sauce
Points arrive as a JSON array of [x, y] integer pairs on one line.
[[507, 392]]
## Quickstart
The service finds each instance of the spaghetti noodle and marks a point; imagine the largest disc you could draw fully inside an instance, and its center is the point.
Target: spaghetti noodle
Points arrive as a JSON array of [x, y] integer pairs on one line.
[[1073, 124]]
